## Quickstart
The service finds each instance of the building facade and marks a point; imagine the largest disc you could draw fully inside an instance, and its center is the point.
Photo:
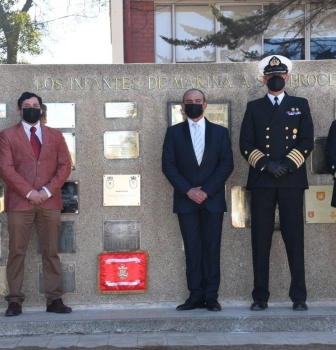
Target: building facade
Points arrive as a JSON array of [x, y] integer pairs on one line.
[[136, 27]]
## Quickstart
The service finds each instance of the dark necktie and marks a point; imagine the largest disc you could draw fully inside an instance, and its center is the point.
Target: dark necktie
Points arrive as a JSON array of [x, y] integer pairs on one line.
[[276, 103], [35, 142]]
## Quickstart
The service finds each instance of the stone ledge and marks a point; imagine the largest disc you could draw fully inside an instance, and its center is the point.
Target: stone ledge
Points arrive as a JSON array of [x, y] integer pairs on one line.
[[149, 320]]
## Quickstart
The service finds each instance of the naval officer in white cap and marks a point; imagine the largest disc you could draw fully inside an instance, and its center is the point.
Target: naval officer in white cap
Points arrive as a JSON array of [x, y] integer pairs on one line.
[[276, 138]]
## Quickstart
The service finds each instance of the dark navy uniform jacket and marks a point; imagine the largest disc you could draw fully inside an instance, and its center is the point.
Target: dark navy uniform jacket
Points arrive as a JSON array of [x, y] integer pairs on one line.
[[330, 151], [285, 136]]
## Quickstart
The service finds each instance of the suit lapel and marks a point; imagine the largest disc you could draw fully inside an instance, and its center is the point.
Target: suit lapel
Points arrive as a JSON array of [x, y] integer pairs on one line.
[[24, 138], [208, 132], [45, 140], [266, 105], [188, 142]]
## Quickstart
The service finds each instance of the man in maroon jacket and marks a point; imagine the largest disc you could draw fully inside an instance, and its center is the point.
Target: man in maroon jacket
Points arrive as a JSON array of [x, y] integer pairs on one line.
[[34, 163]]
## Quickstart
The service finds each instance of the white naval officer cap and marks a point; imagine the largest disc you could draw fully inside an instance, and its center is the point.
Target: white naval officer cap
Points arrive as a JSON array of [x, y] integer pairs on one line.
[[275, 64]]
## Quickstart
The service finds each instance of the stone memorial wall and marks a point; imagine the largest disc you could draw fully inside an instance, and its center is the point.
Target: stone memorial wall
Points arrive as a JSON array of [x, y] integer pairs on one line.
[[114, 118]]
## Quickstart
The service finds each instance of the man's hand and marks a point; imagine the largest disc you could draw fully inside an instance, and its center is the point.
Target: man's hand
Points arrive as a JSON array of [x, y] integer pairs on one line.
[[35, 198], [279, 171], [43, 195], [197, 195]]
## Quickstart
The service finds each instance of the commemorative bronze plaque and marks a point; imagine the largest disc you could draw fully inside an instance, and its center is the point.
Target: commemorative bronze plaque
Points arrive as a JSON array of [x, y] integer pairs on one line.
[[121, 110], [66, 242], [216, 112], [121, 190], [121, 144], [241, 208], [70, 139], [2, 280], [2, 199], [318, 158], [69, 193], [121, 235], [68, 277], [318, 208], [61, 115], [2, 110]]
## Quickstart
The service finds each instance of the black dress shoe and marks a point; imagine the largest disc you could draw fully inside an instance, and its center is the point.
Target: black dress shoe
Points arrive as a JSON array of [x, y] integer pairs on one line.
[[58, 307], [300, 306], [14, 309], [213, 305], [259, 305], [191, 305]]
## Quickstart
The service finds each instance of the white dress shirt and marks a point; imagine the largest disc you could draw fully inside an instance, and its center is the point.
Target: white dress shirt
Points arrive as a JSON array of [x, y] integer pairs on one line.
[[280, 98], [38, 131], [201, 124]]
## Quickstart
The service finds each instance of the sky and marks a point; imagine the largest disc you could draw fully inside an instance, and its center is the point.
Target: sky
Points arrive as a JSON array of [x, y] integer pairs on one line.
[[73, 41]]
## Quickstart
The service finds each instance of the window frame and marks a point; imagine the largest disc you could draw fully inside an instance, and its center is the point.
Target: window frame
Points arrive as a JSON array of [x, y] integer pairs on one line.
[[261, 3]]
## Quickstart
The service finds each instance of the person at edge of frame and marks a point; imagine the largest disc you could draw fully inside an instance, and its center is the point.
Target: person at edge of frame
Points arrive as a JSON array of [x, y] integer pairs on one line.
[[197, 160], [34, 163], [330, 152], [276, 137]]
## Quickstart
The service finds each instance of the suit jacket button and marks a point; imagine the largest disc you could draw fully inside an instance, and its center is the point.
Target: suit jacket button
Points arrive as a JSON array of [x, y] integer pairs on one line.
[[267, 146]]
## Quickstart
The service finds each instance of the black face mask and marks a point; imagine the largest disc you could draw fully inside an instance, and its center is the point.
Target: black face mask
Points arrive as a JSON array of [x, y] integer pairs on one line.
[[276, 83], [31, 115], [193, 110]]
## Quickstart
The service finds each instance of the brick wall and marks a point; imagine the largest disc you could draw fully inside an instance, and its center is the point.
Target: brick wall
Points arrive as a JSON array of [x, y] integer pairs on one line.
[[139, 32]]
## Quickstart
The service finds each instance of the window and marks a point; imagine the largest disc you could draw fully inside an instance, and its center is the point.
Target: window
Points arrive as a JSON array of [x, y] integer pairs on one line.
[[253, 45], [189, 22], [323, 37], [282, 36]]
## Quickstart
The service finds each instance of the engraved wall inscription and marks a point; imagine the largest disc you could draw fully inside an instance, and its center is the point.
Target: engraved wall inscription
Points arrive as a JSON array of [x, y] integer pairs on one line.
[[121, 144], [61, 115], [121, 109], [70, 139], [121, 190], [318, 208], [70, 197], [2, 110], [68, 278], [241, 208], [216, 112], [121, 235]]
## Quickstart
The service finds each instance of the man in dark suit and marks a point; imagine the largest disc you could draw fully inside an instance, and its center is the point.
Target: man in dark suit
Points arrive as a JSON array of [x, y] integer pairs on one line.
[[330, 152], [197, 161], [276, 138], [34, 163]]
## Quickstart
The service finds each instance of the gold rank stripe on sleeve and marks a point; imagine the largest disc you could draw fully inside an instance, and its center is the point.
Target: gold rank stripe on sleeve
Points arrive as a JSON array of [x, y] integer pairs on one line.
[[296, 157], [254, 157]]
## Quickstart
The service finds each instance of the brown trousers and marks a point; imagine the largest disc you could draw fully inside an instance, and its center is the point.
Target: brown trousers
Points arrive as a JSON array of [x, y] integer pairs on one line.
[[48, 227]]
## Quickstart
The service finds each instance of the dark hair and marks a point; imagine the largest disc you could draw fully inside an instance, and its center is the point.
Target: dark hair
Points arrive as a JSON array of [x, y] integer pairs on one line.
[[26, 96], [44, 108], [194, 90]]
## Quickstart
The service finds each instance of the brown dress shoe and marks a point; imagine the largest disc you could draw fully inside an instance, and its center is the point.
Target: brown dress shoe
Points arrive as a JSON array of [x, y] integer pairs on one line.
[[58, 307], [14, 309]]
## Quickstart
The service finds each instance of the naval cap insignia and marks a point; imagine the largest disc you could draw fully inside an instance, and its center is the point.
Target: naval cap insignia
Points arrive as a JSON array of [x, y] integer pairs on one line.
[[274, 61]]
